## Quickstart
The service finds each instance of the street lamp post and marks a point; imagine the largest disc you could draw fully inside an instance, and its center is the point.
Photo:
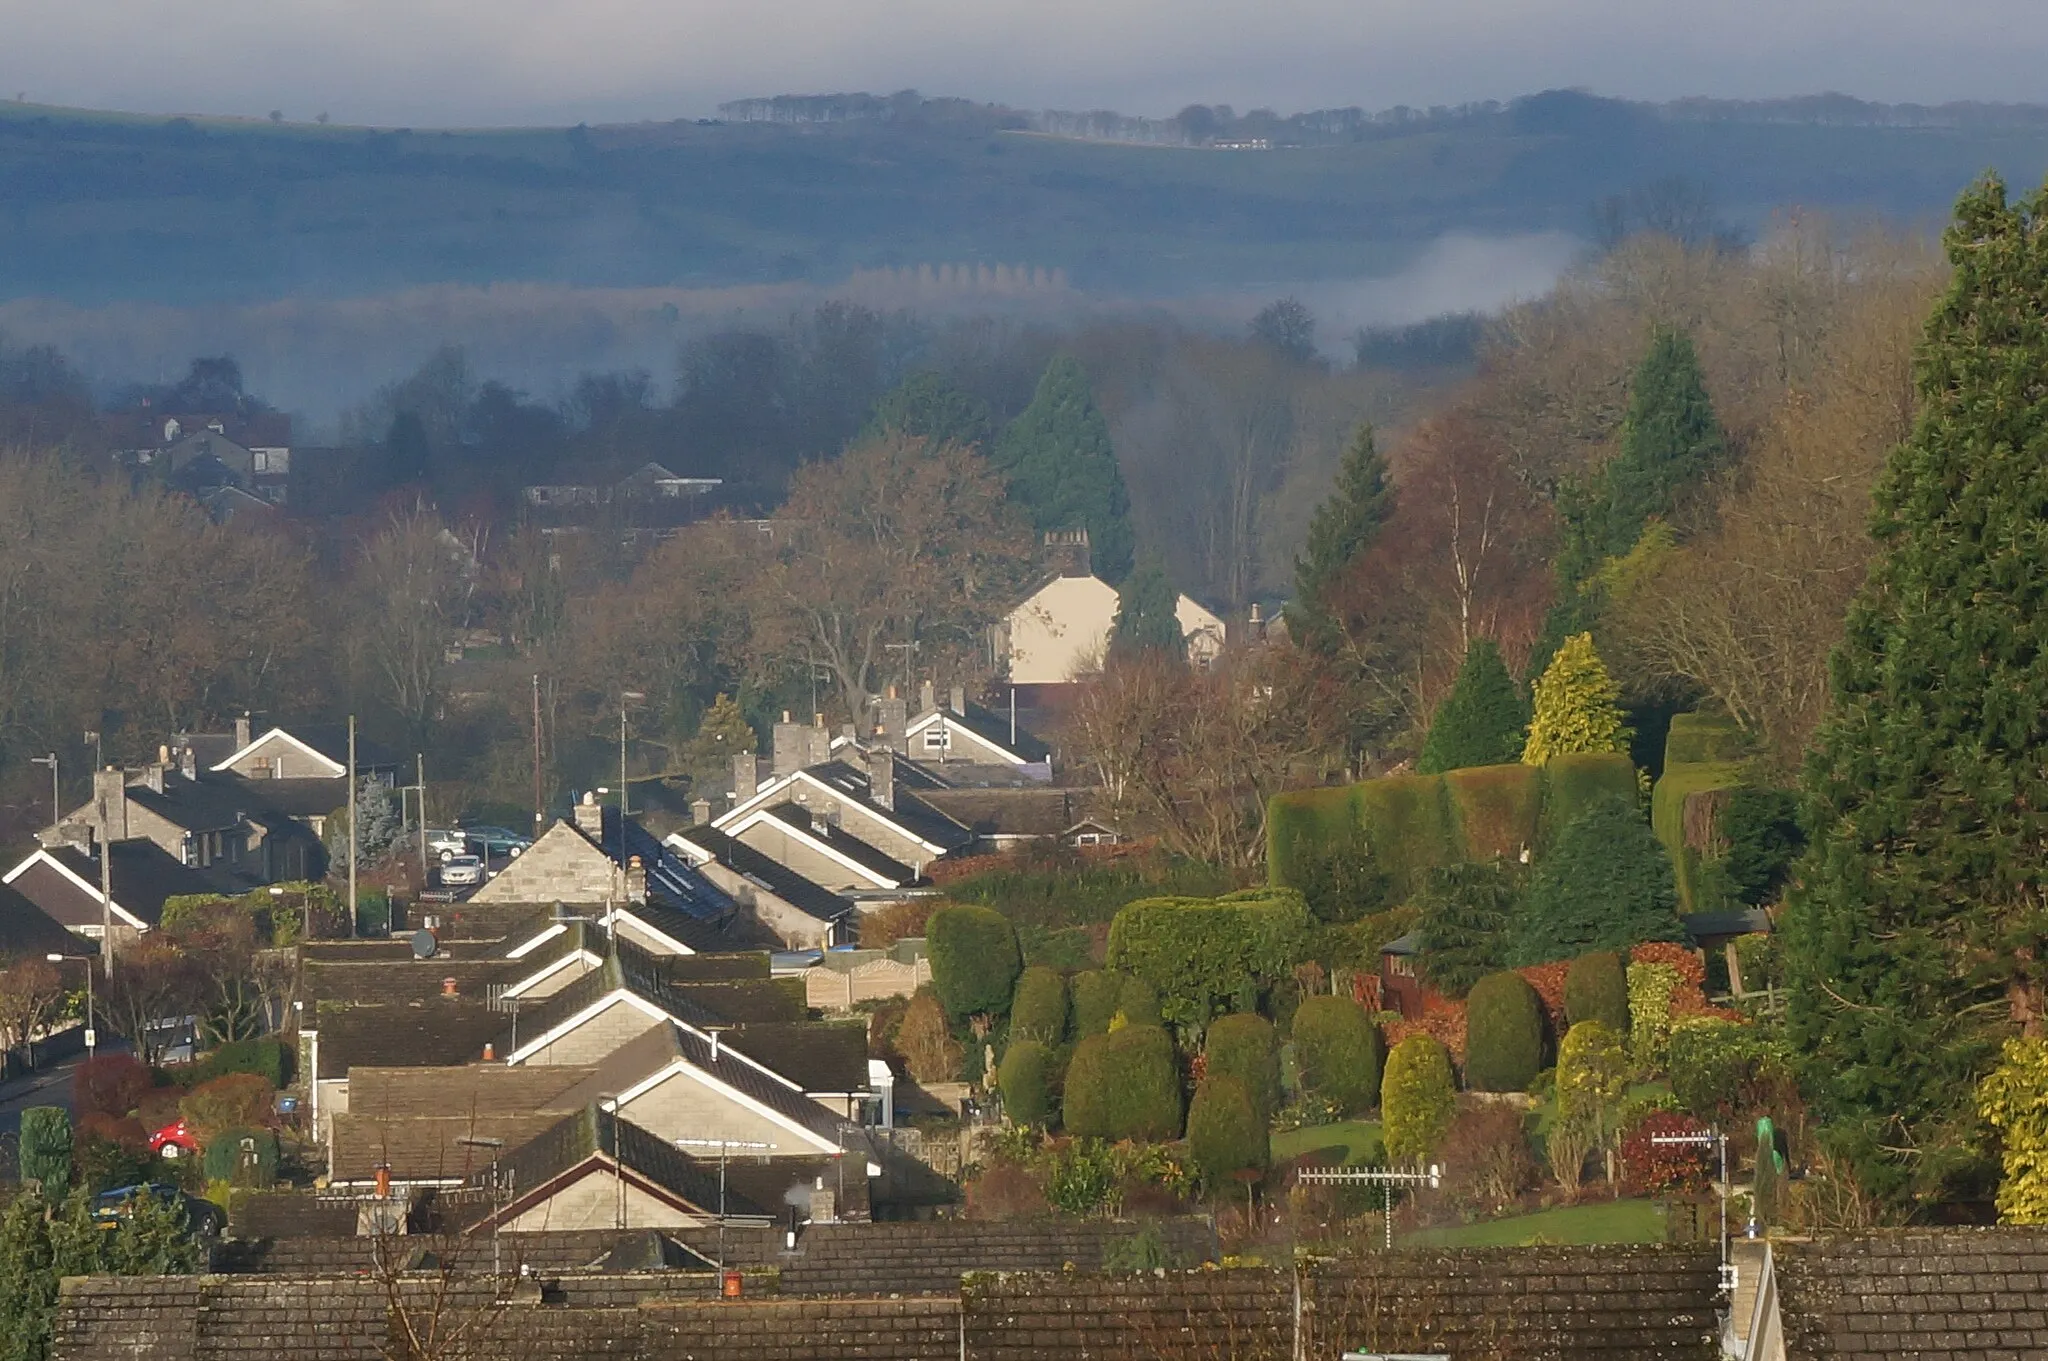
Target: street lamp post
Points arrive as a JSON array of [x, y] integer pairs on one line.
[[625, 697], [91, 1036]]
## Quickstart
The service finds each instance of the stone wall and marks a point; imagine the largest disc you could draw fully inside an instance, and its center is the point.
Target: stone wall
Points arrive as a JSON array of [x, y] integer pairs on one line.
[[755, 1330], [1936, 1295]]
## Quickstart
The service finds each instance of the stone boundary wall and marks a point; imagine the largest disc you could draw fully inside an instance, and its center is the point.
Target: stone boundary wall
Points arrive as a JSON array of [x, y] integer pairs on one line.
[[1936, 1295]]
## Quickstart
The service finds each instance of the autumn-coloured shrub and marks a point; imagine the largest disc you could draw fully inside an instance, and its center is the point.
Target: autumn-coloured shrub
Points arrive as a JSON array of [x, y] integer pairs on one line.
[[1486, 1156], [238, 1099], [926, 1040], [884, 927], [123, 1130], [159, 1107], [111, 1084], [1549, 980], [1651, 1168], [1691, 968], [1007, 1190], [1442, 1020]]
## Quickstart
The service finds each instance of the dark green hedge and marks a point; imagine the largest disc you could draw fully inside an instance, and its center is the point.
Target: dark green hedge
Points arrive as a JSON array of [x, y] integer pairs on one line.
[[1243, 1046], [1096, 996], [1207, 955], [1503, 1034], [1596, 989], [1124, 1085], [1337, 1051]]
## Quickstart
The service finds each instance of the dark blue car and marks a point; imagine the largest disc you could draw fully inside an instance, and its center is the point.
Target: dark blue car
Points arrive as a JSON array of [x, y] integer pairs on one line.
[[203, 1217]]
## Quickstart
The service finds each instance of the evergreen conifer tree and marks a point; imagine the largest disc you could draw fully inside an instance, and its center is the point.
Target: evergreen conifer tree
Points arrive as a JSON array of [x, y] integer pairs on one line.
[[1465, 915], [1145, 616], [1343, 526], [1482, 722], [1061, 466], [1577, 706], [1915, 933], [1606, 885], [925, 405], [1670, 441]]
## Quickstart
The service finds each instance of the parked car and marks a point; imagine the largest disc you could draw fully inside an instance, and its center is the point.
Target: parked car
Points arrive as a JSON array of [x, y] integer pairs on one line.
[[490, 841], [462, 871], [174, 1139], [203, 1217], [446, 842]]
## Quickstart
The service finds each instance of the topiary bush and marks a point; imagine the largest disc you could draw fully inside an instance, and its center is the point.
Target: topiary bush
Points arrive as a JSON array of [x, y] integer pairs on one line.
[[45, 1149], [1094, 994], [975, 960], [1337, 1051], [1418, 1098], [1123, 1085], [1596, 989], [1503, 1034], [1039, 1009], [1226, 1133], [1025, 1078], [1137, 1002], [1203, 955], [1650, 990], [1726, 1072], [1243, 1046]]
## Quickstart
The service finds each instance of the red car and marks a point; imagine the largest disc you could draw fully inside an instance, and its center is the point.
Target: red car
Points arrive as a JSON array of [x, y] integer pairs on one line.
[[174, 1139]]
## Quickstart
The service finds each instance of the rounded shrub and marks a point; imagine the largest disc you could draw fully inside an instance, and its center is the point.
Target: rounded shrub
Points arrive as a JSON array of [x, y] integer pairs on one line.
[[1243, 1046], [975, 960], [1503, 1034], [1226, 1133], [227, 1103], [225, 1158], [1025, 1079], [1418, 1099], [1596, 989], [1095, 994], [1137, 1001], [1039, 1009], [1124, 1085], [1337, 1051], [110, 1084]]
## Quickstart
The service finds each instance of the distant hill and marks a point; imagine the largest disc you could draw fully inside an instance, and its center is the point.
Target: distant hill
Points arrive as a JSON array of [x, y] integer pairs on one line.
[[102, 207]]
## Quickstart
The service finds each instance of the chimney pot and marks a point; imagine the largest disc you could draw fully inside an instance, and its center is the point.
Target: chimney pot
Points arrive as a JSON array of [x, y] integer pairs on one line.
[[700, 811], [448, 987], [927, 698], [490, 1052]]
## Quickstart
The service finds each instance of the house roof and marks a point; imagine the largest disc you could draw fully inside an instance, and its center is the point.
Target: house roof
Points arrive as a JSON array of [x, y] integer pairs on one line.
[[1034, 811], [885, 868], [294, 798], [437, 1033], [990, 727], [1410, 944], [395, 980], [747, 1001], [27, 930], [213, 802], [593, 1137], [909, 814], [711, 844], [482, 1089], [328, 741], [419, 1121], [64, 882], [628, 969], [665, 1047], [818, 1056]]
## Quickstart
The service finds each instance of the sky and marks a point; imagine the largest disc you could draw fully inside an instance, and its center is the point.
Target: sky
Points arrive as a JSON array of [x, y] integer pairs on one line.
[[494, 62]]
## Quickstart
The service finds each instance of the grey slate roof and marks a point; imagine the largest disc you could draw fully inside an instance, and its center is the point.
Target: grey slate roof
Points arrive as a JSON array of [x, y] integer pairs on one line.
[[594, 1136], [1953, 1294], [910, 813], [814, 900], [796, 816]]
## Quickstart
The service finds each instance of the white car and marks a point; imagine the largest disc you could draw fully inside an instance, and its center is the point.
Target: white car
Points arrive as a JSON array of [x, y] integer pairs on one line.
[[446, 843], [461, 870]]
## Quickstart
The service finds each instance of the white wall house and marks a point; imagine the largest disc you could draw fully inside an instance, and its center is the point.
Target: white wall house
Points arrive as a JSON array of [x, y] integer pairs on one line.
[[1062, 631]]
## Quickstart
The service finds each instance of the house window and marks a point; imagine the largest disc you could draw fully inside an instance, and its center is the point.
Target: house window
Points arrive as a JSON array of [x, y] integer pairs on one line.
[[1401, 966], [937, 739]]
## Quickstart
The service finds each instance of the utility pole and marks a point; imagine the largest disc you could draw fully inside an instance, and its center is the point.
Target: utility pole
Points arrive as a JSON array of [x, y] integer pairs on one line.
[[536, 756], [625, 697], [908, 650], [56, 798], [420, 780], [352, 826]]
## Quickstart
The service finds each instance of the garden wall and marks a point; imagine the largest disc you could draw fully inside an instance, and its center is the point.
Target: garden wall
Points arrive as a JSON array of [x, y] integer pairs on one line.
[[1415, 823]]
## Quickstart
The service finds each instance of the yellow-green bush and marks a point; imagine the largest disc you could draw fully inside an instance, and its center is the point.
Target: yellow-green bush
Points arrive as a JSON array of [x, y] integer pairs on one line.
[[1418, 1098], [2013, 1099], [1650, 990]]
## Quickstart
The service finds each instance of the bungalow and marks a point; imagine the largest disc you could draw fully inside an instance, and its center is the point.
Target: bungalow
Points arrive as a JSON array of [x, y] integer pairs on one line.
[[223, 825], [304, 751], [799, 911], [840, 826], [64, 883], [1060, 632]]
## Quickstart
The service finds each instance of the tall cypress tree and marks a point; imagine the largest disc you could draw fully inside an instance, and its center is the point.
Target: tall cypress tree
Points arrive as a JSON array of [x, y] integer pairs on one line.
[[1061, 466], [1916, 933], [1670, 441], [1343, 526], [1146, 615], [1482, 721]]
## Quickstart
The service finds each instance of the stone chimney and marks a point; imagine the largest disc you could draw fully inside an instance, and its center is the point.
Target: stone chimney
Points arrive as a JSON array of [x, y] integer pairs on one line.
[[959, 700], [110, 804], [882, 777], [700, 812], [242, 736], [1066, 552], [590, 817], [153, 774], [792, 745], [636, 880], [927, 697], [892, 718], [746, 776], [1257, 630], [818, 741], [188, 761]]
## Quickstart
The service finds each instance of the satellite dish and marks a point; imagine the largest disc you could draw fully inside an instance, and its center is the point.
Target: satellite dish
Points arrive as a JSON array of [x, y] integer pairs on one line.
[[424, 945]]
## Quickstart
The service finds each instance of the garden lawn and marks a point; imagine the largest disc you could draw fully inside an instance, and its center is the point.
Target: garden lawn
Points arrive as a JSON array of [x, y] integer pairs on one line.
[[1607, 1221], [1360, 1140]]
